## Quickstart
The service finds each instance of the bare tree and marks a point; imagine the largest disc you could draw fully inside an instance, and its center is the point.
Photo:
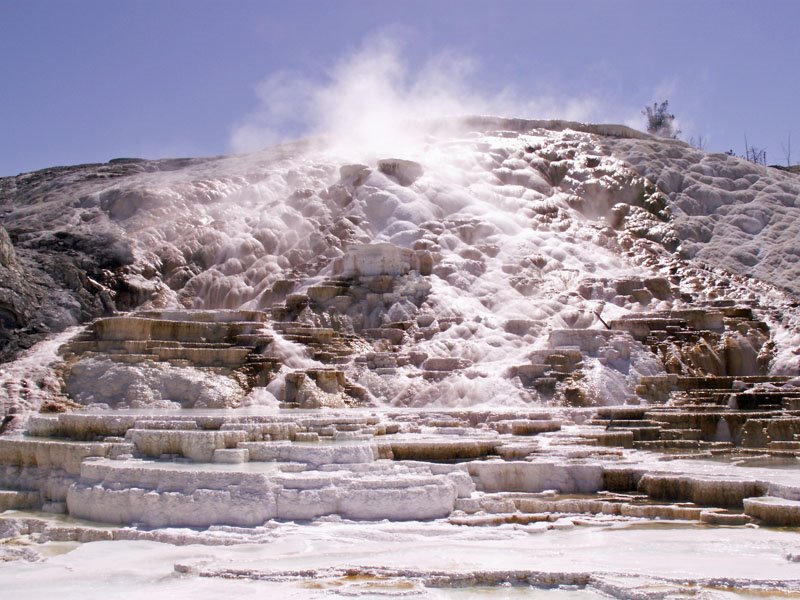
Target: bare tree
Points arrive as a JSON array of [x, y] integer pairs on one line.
[[698, 142], [757, 156], [787, 150], [660, 120]]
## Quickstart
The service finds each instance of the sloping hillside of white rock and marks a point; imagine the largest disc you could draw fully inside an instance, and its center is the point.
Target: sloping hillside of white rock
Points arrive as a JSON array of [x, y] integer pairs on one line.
[[515, 327]]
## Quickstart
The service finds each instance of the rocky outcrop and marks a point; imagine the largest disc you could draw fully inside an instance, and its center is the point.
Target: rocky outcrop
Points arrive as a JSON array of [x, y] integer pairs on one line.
[[18, 299], [54, 280]]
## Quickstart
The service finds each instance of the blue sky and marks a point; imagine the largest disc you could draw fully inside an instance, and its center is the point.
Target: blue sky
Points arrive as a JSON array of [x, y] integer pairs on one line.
[[87, 81]]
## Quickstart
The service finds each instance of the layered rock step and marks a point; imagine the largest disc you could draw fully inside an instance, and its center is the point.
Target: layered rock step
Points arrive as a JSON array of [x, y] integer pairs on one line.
[[716, 396], [159, 495], [556, 372], [367, 281], [197, 470], [564, 512], [482, 467], [720, 339], [746, 392], [368, 312], [716, 427], [201, 470], [232, 341], [236, 344], [49, 461]]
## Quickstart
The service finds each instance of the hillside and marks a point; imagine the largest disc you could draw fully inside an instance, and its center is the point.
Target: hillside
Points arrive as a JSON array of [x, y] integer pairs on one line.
[[380, 373], [522, 228]]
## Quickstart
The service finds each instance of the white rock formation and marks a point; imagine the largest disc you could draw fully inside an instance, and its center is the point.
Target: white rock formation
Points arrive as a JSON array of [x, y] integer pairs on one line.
[[523, 327]]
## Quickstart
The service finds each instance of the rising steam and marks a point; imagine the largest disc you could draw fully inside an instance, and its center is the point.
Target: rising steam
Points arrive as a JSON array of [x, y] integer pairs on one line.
[[375, 101]]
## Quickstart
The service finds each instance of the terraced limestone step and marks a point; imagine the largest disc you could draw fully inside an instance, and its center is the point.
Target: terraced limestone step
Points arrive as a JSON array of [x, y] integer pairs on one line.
[[18, 500], [184, 469], [497, 509], [230, 341]]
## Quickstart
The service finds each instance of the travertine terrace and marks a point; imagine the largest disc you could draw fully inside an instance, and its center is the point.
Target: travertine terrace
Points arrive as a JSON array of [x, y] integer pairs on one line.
[[517, 328]]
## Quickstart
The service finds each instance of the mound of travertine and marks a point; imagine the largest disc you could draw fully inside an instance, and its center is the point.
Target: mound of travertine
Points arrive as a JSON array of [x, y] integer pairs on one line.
[[529, 325]]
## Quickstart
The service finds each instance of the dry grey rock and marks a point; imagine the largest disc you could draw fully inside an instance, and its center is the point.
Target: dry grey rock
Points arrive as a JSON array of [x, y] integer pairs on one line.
[[149, 385]]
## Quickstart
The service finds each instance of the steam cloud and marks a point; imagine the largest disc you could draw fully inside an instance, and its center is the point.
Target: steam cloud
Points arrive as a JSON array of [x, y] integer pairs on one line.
[[373, 101]]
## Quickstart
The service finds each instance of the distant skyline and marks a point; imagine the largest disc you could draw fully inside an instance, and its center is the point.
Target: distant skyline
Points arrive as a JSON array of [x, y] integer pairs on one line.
[[91, 80]]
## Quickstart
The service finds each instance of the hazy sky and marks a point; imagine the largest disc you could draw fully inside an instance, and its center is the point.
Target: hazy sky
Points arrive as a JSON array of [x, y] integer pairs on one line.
[[87, 81]]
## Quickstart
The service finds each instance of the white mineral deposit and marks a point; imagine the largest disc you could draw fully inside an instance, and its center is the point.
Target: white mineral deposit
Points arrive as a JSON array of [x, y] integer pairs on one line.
[[517, 359]]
